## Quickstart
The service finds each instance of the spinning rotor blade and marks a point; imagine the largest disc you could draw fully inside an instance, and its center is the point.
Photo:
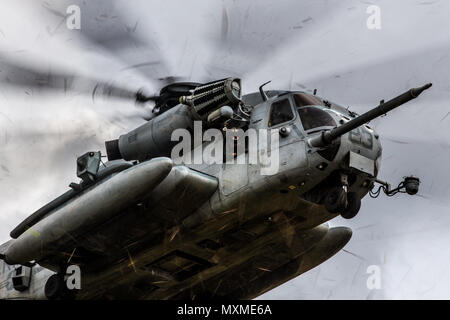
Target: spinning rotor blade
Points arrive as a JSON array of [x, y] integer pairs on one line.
[[27, 77], [107, 27], [251, 34], [370, 82]]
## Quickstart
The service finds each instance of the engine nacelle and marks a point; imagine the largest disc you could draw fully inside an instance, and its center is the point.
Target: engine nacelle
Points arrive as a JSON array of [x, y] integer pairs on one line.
[[153, 139], [209, 97]]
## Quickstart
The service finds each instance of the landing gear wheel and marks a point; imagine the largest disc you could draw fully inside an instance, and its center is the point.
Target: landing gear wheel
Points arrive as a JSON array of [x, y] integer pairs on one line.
[[336, 200], [353, 206], [54, 287]]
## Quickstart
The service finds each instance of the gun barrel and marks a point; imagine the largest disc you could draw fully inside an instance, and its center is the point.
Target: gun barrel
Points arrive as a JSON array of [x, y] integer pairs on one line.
[[384, 107]]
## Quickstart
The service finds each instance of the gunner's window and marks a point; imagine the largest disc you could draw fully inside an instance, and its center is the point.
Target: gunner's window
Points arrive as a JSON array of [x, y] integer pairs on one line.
[[280, 112], [313, 117]]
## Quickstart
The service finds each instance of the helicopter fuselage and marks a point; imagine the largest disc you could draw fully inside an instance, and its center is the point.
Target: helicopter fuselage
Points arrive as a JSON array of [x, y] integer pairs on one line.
[[219, 216], [245, 197]]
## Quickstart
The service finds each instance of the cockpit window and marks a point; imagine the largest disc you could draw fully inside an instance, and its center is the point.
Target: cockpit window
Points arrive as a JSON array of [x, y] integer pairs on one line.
[[313, 117], [303, 100], [280, 112]]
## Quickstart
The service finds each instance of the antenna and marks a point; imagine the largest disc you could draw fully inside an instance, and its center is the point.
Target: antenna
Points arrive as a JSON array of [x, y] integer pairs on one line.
[[263, 94]]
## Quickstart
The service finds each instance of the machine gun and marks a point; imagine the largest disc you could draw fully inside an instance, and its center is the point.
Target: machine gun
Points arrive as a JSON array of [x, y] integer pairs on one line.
[[327, 137]]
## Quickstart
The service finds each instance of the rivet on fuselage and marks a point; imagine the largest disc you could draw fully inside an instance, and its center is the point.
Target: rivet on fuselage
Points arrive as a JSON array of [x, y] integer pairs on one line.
[[322, 166]]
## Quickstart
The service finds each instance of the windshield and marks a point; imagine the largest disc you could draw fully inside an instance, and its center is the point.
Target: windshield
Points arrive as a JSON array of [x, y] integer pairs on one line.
[[313, 117]]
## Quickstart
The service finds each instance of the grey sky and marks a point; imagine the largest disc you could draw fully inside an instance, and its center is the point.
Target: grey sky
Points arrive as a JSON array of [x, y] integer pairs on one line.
[[297, 44]]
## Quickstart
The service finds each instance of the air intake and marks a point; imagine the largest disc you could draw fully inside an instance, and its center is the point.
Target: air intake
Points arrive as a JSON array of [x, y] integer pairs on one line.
[[211, 96]]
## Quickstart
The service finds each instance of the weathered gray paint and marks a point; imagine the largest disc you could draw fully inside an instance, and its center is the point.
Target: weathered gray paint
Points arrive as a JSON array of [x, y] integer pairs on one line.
[[90, 208], [226, 200]]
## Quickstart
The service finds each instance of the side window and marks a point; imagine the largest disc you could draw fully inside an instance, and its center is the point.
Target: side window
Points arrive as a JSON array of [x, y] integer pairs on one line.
[[280, 112]]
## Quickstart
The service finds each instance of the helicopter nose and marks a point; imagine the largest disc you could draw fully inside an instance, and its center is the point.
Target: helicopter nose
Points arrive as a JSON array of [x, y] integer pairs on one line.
[[363, 145]]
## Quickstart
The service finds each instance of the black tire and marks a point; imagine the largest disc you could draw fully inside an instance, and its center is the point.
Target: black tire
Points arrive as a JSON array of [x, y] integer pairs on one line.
[[353, 206], [335, 200], [54, 287]]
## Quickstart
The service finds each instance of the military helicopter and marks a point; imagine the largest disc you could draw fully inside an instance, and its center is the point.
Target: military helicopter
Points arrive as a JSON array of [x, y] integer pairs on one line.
[[146, 225], [186, 225]]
